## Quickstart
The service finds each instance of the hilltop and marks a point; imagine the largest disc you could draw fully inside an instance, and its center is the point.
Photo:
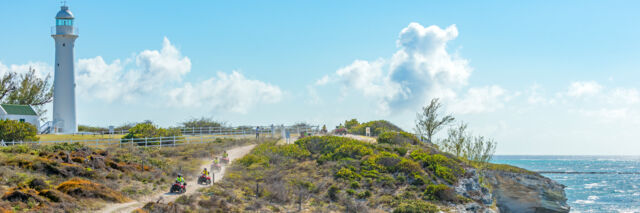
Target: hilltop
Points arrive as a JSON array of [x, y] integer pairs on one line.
[[398, 174]]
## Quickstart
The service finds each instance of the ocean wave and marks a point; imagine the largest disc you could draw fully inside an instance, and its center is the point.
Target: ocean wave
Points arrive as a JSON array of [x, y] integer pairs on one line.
[[593, 185], [584, 201]]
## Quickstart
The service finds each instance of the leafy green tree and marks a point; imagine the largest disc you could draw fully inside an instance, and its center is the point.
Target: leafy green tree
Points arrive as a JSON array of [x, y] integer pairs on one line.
[[7, 84], [11, 130], [202, 122], [351, 123], [149, 130], [458, 138], [29, 89], [430, 120]]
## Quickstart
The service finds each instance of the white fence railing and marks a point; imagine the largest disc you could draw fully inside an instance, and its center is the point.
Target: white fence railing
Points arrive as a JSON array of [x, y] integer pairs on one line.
[[224, 130], [196, 136]]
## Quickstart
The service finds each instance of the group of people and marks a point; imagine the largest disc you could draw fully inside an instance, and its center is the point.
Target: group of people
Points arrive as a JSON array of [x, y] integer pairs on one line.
[[205, 172]]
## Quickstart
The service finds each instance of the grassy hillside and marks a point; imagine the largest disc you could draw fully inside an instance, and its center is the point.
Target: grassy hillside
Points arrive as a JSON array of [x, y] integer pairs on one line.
[[331, 173], [71, 177], [376, 127]]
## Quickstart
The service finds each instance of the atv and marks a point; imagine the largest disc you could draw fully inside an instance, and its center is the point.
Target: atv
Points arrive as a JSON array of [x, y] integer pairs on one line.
[[204, 180], [216, 167], [178, 188], [225, 160]]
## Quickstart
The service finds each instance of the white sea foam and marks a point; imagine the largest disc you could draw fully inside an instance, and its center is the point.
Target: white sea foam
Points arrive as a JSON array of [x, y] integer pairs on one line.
[[593, 197], [593, 185], [584, 201]]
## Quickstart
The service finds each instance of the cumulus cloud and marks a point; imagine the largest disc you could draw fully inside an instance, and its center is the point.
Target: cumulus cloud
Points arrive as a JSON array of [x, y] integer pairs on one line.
[[231, 92], [583, 88], [421, 67], [156, 73], [480, 100], [42, 69], [153, 69]]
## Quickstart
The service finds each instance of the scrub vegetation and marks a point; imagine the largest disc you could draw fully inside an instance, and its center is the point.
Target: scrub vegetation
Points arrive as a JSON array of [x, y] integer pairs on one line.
[[74, 178], [332, 173]]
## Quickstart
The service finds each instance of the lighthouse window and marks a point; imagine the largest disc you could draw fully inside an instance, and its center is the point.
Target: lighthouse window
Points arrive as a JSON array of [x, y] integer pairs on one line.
[[63, 44], [64, 22]]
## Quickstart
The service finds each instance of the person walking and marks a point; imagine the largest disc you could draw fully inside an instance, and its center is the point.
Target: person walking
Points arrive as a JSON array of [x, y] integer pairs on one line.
[[257, 133]]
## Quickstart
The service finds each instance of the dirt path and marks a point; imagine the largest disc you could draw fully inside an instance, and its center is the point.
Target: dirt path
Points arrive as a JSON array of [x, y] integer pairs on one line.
[[192, 186]]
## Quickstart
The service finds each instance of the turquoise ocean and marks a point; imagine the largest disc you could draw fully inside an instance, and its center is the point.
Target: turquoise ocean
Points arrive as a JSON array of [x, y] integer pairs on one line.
[[595, 184]]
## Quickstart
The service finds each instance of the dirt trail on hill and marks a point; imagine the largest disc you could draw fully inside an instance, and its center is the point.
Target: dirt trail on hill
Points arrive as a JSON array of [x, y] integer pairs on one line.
[[192, 186]]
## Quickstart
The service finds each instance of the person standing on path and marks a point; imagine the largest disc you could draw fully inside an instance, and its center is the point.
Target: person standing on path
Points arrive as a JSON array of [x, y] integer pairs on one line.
[[257, 133]]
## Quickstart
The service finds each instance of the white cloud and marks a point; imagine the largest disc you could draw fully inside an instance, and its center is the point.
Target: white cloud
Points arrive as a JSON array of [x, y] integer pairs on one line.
[[42, 69], [232, 92], [584, 88], [422, 67], [157, 73], [480, 100], [153, 70], [624, 96]]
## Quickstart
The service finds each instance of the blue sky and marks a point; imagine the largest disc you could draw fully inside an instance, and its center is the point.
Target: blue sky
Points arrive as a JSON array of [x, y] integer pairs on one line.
[[541, 78]]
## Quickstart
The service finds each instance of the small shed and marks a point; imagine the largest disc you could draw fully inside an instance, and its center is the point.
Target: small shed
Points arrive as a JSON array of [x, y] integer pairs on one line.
[[22, 113]]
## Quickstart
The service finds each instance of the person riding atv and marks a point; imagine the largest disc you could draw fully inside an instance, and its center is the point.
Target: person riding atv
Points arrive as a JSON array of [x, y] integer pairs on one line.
[[225, 157], [216, 165], [204, 178], [180, 186]]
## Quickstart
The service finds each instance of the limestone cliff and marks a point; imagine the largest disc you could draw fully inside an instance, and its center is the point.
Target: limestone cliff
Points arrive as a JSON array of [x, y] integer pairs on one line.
[[526, 192]]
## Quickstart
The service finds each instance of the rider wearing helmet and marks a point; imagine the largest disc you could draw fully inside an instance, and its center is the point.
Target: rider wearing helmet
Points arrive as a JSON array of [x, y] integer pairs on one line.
[[205, 172], [225, 154], [216, 161], [180, 179]]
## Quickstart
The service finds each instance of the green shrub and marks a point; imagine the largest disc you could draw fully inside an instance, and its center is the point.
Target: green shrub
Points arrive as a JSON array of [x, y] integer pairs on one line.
[[443, 166], [355, 184], [11, 130], [402, 151], [376, 127], [414, 206], [333, 192], [399, 138], [440, 192], [347, 174], [363, 195], [291, 151], [149, 130]]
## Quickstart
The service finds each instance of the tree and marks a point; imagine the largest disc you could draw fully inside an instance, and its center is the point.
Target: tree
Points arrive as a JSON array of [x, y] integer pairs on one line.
[[11, 130], [457, 140], [28, 90], [481, 150], [429, 121], [477, 149], [7, 85], [351, 123], [202, 122], [324, 129]]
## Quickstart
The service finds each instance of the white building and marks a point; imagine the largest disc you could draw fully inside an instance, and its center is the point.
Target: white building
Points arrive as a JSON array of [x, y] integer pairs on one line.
[[22, 113], [64, 87]]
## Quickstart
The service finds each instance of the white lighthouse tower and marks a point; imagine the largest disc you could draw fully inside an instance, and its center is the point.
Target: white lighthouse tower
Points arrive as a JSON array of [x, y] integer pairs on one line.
[[64, 92]]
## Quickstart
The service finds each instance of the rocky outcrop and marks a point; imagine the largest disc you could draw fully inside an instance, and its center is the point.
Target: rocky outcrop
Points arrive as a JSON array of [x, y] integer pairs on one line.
[[526, 192]]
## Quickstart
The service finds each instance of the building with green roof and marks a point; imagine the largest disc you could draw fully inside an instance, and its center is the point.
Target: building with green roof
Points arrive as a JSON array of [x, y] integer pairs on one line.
[[22, 113]]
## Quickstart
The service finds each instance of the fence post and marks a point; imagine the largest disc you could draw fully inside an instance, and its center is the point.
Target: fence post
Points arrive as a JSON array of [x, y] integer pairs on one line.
[[160, 142], [174, 140]]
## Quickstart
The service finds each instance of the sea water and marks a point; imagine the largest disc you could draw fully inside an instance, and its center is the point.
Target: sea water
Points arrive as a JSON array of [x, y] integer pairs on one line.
[[608, 192]]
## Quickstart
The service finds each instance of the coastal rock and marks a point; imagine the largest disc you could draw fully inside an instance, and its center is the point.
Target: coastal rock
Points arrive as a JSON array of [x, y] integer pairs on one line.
[[470, 187], [526, 192]]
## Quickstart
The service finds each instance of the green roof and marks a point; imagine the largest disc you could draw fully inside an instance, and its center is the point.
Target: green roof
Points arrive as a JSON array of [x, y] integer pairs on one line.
[[15, 109]]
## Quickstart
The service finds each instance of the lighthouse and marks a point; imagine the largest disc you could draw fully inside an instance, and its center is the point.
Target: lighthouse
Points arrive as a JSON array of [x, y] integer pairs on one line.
[[64, 86]]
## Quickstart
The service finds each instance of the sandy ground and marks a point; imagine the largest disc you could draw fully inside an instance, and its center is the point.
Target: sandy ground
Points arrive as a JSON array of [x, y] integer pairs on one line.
[[362, 138], [192, 186]]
